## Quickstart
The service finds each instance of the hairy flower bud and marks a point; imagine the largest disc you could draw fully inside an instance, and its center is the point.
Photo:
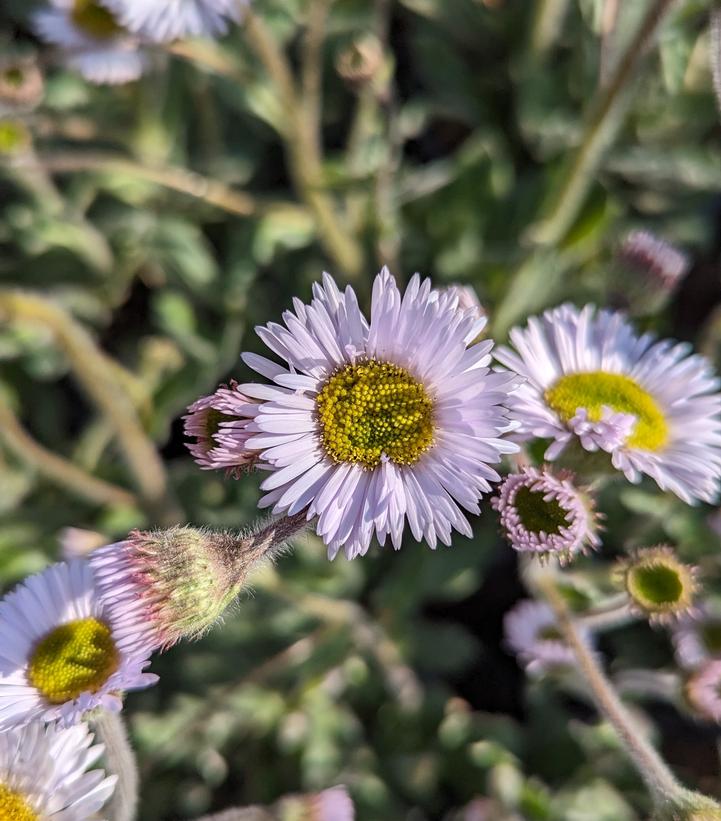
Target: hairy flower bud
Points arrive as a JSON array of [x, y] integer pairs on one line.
[[660, 587], [186, 577]]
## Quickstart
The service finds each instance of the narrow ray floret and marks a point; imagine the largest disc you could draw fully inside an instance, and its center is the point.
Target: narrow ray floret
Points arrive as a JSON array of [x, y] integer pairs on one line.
[[532, 634], [651, 405], [92, 40], [372, 423], [219, 425], [162, 21], [45, 775], [546, 514], [64, 651]]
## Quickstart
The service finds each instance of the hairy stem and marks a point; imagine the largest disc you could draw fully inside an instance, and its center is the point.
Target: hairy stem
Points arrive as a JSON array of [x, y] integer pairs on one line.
[[120, 760], [303, 150], [606, 116], [55, 468], [97, 375]]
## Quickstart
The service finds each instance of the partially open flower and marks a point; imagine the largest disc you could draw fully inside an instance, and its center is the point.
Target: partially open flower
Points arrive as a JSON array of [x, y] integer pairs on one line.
[[660, 587], [532, 635], [697, 640], [219, 425], [184, 579], [703, 690], [546, 515], [21, 83]]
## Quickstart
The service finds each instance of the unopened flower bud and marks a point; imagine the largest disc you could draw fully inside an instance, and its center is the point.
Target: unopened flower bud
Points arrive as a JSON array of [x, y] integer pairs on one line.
[[186, 577], [21, 84], [659, 586], [360, 63]]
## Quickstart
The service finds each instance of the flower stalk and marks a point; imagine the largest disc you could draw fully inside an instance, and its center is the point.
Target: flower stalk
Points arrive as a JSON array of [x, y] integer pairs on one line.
[[120, 761]]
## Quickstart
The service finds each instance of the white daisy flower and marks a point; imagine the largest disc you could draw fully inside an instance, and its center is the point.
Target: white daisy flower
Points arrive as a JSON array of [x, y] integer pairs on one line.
[[649, 404], [92, 41], [63, 651], [164, 20], [375, 423], [44, 777]]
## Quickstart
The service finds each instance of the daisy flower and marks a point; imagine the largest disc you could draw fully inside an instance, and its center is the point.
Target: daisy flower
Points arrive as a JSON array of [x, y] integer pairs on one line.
[[697, 640], [372, 423], [44, 774], [533, 636], [651, 405], [545, 514], [219, 423], [92, 40], [64, 652], [164, 20]]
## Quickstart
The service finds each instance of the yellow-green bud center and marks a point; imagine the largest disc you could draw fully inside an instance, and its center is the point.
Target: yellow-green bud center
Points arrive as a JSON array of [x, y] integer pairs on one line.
[[374, 409], [622, 394], [14, 807], [539, 515], [14, 136], [655, 585], [14, 76], [94, 20], [77, 657]]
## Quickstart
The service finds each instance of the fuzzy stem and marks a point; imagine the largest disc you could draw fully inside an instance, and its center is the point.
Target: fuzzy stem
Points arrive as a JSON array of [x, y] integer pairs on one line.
[[303, 150], [97, 374], [271, 539], [607, 114], [55, 468], [120, 759]]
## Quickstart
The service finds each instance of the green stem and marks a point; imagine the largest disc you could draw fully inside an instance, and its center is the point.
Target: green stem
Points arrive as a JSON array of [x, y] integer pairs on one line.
[[547, 24], [607, 114], [120, 760]]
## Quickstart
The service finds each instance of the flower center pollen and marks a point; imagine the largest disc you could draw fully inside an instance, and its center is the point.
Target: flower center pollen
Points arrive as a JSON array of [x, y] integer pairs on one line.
[[539, 515], [622, 394], [94, 19], [13, 807], [77, 657], [373, 409]]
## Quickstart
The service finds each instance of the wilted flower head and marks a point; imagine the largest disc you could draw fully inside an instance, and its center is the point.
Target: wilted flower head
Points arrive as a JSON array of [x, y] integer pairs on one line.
[[532, 634], [219, 424], [589, 376], [44, 777], [545, 514], [373, 423], [655, 258], [64, 650], [21, 83], [91, 39], [703, 690], [697, 638], [183, 579], [659, 586], [161, 21]]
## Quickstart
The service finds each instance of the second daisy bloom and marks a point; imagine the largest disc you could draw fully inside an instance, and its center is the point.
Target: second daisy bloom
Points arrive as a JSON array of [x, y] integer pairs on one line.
[[374, 423]]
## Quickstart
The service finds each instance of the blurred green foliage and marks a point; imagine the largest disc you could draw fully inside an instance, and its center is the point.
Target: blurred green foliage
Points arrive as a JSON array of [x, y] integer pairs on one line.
[[387, 674]]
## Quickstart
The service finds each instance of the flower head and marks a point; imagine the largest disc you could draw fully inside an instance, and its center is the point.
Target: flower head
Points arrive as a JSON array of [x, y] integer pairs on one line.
[[545, 514], [655, 258], [161, 21], [697, 638], [373, 423], [659, 586], [183, 579], [649, 404], [43, 774], [532, 634], [219, 424], [93, 42], [21, 83], [64, 651], [703, 690]]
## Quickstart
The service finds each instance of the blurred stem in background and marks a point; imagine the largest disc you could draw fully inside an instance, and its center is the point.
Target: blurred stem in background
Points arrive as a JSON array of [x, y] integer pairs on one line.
[[547, 23], [120, 761], [105, 382]]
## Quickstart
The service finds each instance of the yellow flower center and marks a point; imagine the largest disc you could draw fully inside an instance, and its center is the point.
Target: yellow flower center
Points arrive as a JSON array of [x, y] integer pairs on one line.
[[374, 409], [622, 394], [13, 807], [77, 657], [94, 20]]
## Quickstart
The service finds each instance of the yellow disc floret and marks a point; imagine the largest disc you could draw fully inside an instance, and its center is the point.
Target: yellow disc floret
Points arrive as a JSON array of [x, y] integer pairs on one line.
[[596, 390], [13, 807], [77, 657], [94, 19], [374, 409]]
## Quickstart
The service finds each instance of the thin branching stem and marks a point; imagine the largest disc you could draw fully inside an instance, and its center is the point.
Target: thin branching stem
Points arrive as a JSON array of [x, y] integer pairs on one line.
[[120, 761]]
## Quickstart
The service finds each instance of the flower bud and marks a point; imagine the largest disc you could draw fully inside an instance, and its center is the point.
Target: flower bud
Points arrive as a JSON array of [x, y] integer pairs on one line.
[[660, 587], [360, 63], [186, 577]]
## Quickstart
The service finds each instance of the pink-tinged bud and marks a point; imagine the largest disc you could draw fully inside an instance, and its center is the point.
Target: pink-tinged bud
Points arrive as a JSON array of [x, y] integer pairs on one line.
[[661, 264], [221, 424], [186, 577]]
